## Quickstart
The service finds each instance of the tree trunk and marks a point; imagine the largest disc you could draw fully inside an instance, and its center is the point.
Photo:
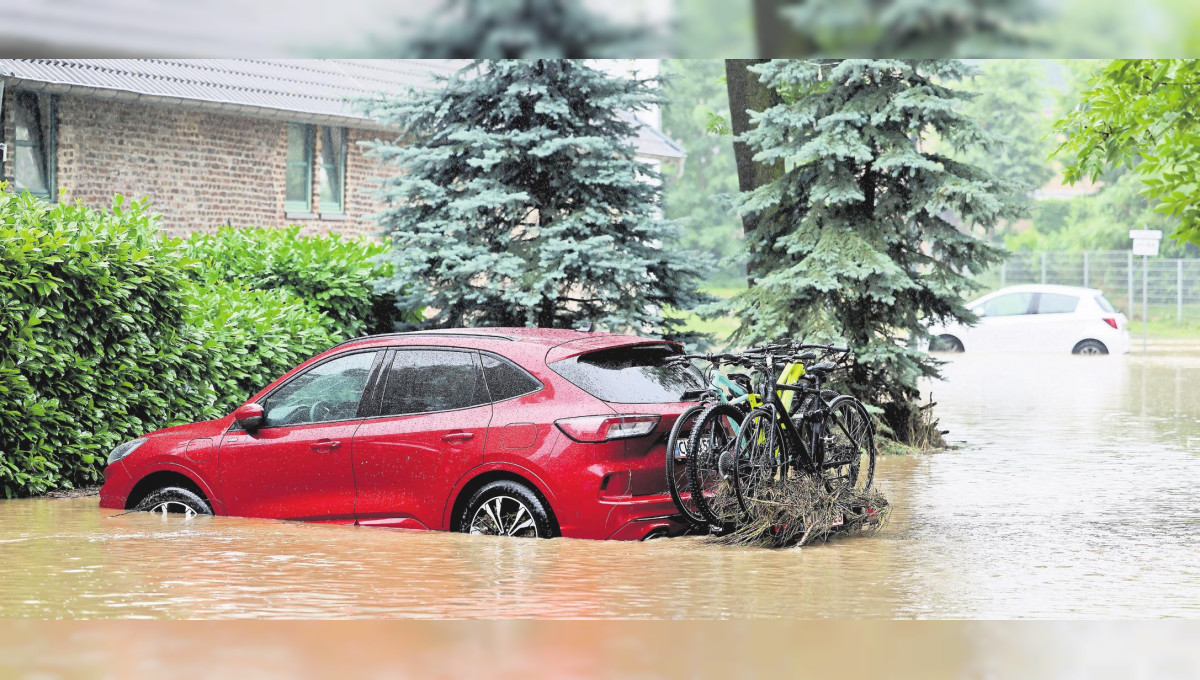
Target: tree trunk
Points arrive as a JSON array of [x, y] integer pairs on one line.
[[774, 35], [746, 94]]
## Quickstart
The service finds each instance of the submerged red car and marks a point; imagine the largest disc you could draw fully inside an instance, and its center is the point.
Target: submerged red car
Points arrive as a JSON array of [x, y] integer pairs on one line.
[[507, 431]]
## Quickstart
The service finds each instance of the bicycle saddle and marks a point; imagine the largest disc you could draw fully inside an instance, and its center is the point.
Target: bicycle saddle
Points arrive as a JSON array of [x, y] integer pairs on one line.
[[823, 368]]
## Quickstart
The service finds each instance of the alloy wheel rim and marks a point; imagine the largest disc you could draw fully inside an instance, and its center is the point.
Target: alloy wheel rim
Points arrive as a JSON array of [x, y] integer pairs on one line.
[[504, 516], [173, 507], [1090, 349]]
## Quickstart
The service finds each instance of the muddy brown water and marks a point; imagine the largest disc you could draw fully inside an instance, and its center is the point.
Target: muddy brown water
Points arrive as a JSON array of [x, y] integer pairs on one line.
[[1074, 493]]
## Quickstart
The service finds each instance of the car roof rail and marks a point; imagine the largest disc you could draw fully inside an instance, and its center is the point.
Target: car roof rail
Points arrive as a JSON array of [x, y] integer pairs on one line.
[[434, 333]]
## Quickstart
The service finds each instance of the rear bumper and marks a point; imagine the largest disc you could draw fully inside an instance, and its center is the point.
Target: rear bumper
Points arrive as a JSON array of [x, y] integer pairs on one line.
[[1122, 343], [638, 517]]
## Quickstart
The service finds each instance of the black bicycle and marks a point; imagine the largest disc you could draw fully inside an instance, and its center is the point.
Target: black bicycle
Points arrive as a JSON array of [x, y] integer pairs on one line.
[[827, 435]]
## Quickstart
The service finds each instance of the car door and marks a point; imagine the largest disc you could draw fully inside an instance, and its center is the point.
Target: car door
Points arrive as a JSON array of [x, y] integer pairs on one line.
[[430, 431], [1055, 327], [298, 464], [1003, 324]]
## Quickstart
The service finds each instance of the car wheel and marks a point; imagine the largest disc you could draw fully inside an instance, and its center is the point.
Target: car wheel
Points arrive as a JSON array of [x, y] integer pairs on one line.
[[506, 508], [174, 500], [945, 343], [1090, 347]]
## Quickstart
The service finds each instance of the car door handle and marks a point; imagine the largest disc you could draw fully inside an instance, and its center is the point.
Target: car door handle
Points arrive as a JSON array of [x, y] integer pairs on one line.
[[325, 445], [458, 436]]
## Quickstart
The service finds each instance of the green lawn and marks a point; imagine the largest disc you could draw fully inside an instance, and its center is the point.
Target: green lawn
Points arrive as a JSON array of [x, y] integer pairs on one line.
[[720, 328]]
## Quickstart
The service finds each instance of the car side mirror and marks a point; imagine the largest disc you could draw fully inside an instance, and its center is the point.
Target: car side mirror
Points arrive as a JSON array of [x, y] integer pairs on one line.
[[249, 416], [979, 312]]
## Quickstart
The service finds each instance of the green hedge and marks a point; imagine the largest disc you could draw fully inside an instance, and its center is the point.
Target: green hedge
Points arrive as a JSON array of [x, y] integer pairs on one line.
[[336, 275], [109, 330]]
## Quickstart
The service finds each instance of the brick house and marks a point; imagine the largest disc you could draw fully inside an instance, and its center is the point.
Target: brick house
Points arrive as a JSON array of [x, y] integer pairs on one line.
[[212, 141]]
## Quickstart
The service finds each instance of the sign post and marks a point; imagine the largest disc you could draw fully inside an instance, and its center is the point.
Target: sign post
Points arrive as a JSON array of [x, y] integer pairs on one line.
[[1145, 243]]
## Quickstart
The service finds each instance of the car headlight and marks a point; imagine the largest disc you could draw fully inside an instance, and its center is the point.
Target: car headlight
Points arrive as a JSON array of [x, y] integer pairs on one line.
[[125, 449]]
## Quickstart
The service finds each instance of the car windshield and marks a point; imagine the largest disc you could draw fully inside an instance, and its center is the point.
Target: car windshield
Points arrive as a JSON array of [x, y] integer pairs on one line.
[[631, 375]]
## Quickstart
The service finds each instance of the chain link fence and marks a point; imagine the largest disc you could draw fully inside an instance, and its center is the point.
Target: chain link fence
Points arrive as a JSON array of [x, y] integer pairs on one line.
[[1172, 286]]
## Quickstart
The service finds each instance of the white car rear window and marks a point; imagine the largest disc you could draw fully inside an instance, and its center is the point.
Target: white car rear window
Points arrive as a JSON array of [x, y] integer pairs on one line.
[[1105, 304], [1054, 303]]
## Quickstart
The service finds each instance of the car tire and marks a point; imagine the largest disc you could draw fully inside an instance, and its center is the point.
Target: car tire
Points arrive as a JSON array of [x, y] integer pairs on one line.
[[945, 343], [506, 508], [1092, 347], [174, 500]]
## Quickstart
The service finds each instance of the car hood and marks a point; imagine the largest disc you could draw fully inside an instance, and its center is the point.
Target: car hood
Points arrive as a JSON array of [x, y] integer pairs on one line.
[[207, 428]]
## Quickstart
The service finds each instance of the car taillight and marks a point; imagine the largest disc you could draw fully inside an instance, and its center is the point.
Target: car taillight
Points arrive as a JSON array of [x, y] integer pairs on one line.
[[1111, 322], [597, 429]]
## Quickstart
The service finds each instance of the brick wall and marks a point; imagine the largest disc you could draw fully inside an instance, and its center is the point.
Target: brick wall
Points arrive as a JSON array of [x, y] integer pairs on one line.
[[200, 169]]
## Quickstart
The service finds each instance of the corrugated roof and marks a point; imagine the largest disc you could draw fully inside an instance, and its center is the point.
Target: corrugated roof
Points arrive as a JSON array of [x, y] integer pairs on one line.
[[320, 89], [317, 87]]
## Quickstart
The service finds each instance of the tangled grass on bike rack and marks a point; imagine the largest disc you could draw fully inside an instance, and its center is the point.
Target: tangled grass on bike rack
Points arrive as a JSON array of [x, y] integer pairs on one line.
[[801, 511]]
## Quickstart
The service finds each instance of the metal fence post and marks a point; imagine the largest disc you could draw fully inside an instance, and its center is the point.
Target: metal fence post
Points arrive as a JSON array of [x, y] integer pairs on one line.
[[1179, 290], [1129, 270], [1085, 269], [1043, 267]]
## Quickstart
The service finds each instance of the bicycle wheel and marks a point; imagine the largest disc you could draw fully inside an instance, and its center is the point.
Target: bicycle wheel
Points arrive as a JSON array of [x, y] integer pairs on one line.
[[758, 456], [676, 465], [709, 464], [849, 442]]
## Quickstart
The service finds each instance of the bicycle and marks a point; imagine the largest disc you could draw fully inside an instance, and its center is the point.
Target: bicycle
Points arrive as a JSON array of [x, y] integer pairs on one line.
[[831, 436], [734, 389], [709, 463]]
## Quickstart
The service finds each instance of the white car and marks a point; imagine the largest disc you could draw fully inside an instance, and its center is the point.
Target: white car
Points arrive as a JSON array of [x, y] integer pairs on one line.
[[1038, 318]]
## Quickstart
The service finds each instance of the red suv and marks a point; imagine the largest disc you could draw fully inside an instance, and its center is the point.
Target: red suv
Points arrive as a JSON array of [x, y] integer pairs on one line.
[[510, 431]]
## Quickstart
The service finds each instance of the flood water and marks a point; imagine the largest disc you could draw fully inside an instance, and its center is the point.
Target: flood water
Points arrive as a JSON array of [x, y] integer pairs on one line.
[[1072, 493]]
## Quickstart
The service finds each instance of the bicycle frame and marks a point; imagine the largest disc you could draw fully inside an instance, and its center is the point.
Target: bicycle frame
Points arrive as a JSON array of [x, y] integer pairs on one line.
[[780, 401]]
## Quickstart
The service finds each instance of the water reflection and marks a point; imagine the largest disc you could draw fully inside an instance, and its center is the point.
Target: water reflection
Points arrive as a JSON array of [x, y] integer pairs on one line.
[[1071, 495]]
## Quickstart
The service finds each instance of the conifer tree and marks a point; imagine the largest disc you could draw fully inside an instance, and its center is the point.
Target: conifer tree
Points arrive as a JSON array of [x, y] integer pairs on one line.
[[518, 201], [522, 29], [864, 244]]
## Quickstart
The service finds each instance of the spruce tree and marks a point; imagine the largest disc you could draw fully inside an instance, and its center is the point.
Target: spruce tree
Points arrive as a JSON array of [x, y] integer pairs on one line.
[[521, 29], [518, 201], [865, 243]]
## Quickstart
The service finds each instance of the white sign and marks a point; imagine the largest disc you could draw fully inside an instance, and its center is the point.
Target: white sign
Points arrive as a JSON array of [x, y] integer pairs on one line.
[[1145, 241]]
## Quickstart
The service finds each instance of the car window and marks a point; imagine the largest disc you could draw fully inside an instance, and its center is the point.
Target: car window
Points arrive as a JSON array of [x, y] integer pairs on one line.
[[425, 381], [505, 380], [1008, 305], [1054, 303], [326, 392], [631, 375], [1105, 304]]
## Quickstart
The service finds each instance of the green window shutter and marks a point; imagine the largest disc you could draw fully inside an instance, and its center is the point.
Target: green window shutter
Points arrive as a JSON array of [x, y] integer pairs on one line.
[[298, 180], [332, 178], [34, 144]]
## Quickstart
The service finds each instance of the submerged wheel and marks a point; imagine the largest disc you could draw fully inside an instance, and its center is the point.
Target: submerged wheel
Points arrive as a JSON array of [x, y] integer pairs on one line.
[[709, 464], [174, 500], [676, 465], [506, 508], [945, 343], [1090, 347], [849, 442]]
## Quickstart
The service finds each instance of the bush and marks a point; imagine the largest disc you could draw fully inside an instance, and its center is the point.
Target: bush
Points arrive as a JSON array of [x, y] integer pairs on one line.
[[108, 330], [333, 274]]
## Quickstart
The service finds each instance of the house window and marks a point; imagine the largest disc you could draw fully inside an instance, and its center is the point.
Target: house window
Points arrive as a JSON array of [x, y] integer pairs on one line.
[[298, 183], [332, 177], [33, 155]]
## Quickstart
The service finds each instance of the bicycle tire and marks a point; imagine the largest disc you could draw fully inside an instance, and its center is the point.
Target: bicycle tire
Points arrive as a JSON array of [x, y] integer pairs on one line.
[[711, 435], [755, 460], [684, 423], [850, 431]]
